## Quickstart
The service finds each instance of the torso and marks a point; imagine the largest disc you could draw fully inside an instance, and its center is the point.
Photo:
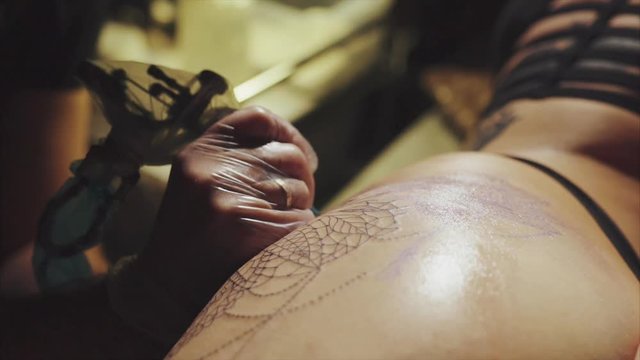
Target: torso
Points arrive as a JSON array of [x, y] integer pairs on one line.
[[463, 256]]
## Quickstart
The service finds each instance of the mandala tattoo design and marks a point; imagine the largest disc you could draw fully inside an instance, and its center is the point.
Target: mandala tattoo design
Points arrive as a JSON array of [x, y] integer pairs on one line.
[[293, 262]]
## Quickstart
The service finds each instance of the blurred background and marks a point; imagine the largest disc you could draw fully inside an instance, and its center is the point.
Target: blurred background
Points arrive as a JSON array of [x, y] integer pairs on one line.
[[373, 84]]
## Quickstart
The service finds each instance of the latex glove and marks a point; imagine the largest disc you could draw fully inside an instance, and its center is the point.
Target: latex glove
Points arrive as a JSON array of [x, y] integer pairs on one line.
[[226, 201]]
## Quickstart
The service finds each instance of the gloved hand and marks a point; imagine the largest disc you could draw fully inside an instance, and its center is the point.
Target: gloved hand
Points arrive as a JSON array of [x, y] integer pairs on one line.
[[245, 183]]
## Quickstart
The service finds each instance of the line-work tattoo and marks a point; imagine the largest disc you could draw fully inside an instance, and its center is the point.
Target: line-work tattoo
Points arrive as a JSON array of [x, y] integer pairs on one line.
[[282, 271], [293, 262], [492, 126]]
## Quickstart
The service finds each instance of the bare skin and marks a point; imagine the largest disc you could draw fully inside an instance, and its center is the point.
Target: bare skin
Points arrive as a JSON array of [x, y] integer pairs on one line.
[[465, 256], [209, 224], [468, 255]]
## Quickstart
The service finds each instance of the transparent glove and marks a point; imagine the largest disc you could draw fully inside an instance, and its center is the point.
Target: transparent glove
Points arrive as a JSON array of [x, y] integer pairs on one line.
[[245, 183]]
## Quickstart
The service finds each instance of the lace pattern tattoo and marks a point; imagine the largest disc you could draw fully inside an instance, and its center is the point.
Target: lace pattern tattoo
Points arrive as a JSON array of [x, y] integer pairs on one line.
[[279, 274], [293, 262]]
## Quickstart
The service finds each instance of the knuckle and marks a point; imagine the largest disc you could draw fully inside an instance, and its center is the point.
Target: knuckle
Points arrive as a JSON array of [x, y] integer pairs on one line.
[[258, 109], [183, 163], [283, 156], [182, 156], [297, 154], [216, 128], [297, 167], [283, 148], [305, 192], [307, 198], [291, 153], [259, 114], [190, 168], [222, 206]]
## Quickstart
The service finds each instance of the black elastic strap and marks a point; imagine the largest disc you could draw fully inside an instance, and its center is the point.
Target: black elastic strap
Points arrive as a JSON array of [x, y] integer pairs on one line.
[[573, 32], [584, 41], [627, 102], [542, 73], [618, 56], [610, 229]]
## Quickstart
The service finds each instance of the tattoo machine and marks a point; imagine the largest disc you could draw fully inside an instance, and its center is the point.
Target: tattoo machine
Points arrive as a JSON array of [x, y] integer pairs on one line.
[[153, 112]]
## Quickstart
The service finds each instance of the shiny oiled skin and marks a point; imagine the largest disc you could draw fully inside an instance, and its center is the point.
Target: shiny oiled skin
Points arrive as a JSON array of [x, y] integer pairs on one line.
[[464, 256]]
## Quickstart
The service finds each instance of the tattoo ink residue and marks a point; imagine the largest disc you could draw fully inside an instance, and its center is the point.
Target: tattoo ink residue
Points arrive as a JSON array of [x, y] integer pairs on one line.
[[485, 203], [476, 205], [456, 202]]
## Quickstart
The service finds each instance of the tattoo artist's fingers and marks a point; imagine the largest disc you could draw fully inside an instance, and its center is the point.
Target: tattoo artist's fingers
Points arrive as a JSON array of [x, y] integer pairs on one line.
[[271, 193], [230, 204], [286, 193], [288, 222], [255, 210], [282, 217], [255, 126], [271, 177], [288, 159], [265, 224]]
